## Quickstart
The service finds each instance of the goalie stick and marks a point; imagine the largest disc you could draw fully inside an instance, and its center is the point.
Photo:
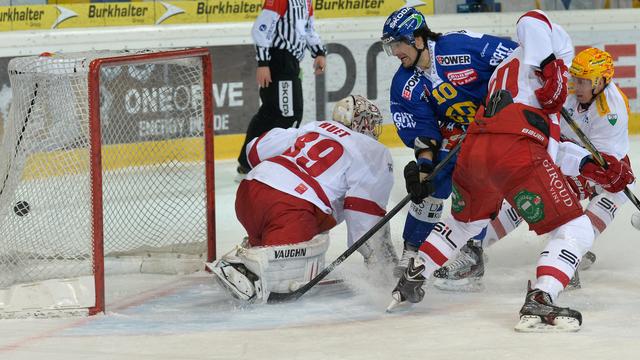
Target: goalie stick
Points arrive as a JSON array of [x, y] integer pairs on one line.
[[594, 152], [24, 128], [294, 295]]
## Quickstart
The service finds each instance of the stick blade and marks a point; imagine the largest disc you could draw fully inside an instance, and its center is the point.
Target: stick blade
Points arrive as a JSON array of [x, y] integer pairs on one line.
[[277, 298]]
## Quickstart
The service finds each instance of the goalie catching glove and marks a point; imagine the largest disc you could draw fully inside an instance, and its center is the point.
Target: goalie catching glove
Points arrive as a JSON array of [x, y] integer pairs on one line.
[[614, 178]]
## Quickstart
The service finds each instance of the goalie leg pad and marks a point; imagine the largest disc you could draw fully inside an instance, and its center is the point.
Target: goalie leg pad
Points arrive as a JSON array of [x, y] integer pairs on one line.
[[271, 268]]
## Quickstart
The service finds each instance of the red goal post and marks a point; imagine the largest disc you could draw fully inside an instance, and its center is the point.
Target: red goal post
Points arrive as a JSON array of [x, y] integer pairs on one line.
[[120, 143]]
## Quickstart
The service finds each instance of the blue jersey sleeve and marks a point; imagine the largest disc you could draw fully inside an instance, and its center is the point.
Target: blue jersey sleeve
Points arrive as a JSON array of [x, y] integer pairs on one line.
[[411, 114], [495, 49]]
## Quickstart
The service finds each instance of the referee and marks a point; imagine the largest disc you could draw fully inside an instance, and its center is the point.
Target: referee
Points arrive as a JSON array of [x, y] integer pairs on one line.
[[282, 32]]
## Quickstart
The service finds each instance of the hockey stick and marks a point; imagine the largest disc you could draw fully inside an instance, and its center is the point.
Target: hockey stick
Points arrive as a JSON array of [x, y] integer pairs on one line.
[[24, 127], [282, 297], [594, 152]]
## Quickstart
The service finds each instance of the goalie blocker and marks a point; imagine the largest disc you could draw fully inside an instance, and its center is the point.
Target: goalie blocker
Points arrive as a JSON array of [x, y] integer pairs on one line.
[[252, 273]]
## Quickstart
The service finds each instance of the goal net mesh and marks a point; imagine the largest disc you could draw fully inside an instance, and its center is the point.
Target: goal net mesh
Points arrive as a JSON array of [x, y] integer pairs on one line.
[[152, 164]]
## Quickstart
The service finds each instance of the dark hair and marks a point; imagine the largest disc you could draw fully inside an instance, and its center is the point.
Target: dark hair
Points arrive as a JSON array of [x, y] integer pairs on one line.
[[426, 34]]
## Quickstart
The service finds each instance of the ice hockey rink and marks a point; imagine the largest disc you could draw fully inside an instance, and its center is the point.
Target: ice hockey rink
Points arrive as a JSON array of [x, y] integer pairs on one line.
[[169, 317]]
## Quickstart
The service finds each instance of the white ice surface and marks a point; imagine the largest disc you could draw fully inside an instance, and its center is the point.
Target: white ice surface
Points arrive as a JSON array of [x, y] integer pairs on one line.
[[169, 317]]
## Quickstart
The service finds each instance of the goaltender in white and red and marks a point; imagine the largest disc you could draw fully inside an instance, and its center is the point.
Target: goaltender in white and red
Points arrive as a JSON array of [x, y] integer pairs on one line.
[[303, 182], [512, 151]]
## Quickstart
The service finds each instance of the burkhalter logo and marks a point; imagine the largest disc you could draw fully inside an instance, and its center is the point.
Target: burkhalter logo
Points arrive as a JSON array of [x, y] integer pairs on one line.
[[65, 14], [172, 10]]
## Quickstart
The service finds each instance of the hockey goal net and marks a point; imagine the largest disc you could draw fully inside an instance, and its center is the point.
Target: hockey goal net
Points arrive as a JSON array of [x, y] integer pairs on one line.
[[106, 163]]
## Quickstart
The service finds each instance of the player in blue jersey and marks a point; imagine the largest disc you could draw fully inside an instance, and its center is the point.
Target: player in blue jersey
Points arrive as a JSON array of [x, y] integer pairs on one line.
[[434, 95]]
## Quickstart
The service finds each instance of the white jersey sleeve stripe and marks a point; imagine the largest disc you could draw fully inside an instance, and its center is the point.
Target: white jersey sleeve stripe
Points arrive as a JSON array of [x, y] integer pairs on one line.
[[363, 206], [252, 155]]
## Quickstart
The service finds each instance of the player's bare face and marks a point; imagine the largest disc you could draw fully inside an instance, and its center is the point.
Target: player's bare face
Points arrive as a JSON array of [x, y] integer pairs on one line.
[[584, 89], [405, 52]]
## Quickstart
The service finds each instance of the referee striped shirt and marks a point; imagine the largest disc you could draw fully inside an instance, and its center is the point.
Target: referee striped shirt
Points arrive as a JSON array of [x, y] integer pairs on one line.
[[287, 25]]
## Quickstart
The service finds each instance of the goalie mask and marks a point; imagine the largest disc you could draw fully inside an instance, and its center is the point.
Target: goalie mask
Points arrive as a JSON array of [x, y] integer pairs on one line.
[[359, 114]]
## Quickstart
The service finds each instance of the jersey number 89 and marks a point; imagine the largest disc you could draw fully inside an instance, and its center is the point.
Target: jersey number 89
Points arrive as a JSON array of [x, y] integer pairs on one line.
[[317, 157]]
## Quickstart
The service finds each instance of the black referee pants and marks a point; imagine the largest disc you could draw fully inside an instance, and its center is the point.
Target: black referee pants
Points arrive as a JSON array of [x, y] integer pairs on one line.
[[282, 103]]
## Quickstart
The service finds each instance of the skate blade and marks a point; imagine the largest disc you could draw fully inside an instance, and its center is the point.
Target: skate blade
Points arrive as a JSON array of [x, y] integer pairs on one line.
[[571, 286], [534, 324], [587, 260], [397, 303], [462, 285], [396, 306]]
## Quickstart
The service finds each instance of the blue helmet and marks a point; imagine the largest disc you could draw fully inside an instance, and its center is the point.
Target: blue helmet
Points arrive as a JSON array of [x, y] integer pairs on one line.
[[401, 24]]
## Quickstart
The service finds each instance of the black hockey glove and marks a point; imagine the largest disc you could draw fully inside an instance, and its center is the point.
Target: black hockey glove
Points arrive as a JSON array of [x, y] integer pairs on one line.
[[413, 173]]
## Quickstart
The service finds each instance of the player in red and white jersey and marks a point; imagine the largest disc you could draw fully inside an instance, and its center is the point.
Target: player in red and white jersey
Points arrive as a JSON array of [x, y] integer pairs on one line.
[[512, 152], [303, 182], [529, 60], [601, 110], [519, 74]]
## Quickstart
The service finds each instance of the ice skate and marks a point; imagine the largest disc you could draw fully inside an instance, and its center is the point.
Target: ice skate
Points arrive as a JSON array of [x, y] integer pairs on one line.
[[538, 314], [574, 283], [409, 252], [241, 173], [236, 279], [587, 260], [409, 288], [463, 273]]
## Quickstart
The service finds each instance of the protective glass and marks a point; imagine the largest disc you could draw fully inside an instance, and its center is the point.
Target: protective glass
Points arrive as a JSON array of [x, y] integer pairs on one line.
[[390, 46], [583, 84]]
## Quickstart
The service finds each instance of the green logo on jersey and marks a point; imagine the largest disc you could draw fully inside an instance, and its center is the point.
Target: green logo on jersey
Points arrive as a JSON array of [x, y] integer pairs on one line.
[[613, 118], [530, 206], [457, 202]]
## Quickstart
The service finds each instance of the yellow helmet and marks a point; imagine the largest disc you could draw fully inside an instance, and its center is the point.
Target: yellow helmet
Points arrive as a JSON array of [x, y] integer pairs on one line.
[[592, 64]]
